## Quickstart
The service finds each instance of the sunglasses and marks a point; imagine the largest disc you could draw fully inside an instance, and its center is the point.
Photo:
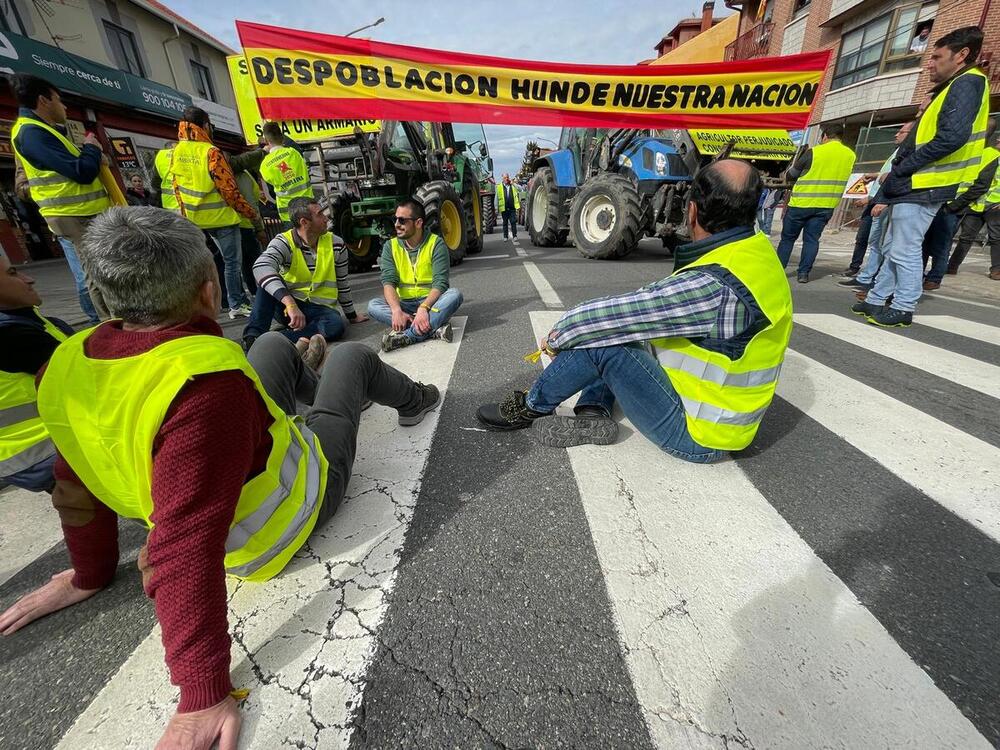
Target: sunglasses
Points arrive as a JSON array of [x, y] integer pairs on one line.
[[402, 219]]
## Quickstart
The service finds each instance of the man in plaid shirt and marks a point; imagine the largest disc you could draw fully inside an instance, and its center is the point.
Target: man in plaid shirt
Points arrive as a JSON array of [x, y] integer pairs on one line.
[[692, 358]]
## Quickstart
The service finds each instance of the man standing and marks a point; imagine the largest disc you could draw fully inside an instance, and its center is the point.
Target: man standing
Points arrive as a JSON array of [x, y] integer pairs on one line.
[[984, 209], [820, 176], [943, 152], [418, 298], [693, 359], [508, 204], [207, 194], [64, 180], [158, 417], [27, 340], [284, 170], [161, 163], [304, 269]]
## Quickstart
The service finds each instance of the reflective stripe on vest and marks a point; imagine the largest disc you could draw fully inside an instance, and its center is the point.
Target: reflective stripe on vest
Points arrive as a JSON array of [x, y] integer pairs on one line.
[[822, 185], [111, 450], [415, 279], [199, 200], [24, 440], [992, 195], [502, 198], [286, 171], [724, 400], [55, 194], [162, 163], [962, 165], [318, 285]]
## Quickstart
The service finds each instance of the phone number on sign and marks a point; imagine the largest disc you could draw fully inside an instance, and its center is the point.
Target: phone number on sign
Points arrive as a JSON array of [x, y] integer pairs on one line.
[[161, 101]]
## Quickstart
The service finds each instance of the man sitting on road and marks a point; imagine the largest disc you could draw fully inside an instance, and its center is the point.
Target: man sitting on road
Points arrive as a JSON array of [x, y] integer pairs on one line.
[[27, 340], [304, 269], [693, 358], [158, 417], [419, 300]]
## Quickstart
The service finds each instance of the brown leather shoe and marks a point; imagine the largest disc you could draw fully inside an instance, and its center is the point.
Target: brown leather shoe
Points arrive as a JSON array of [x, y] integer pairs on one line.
[[995, 274], [930, 286]]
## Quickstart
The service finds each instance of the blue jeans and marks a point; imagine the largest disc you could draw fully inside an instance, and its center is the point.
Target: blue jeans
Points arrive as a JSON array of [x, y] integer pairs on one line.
[[446, 306], [228, 240], [765, 217], [937, 244], [635, 378], [810, 222], [319, 319], [873, 260], [73, 260], [902, 271]]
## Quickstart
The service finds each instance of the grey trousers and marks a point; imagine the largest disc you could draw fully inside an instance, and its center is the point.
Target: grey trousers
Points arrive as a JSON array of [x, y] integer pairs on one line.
[[72, 228], [352, 374]]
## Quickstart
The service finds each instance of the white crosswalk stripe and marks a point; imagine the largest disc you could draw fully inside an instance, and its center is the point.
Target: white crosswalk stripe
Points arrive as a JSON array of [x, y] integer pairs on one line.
[[961, 327], [301, 641]]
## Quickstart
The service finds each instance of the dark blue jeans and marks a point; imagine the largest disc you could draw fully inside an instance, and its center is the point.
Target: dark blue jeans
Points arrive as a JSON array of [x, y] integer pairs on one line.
[[319, 319], [862, 237], [810, 223], [633, 376], [509, 217], [937, 244]]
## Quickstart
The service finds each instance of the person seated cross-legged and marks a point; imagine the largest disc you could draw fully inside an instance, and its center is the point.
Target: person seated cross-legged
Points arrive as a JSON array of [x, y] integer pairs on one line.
[[693, 359], [418, 300], [158, 417], [305, 270]]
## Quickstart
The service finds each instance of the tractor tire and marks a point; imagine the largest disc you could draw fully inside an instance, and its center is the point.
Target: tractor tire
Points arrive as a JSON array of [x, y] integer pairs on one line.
[[445, 216], [606, 217], [543, 214], [489, 214], [361, 254], [473, 214]]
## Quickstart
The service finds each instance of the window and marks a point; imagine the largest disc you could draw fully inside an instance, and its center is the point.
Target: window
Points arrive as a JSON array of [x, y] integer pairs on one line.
[[202, 78], [892, 42], [10, 18], [123, 49], [801, 5]]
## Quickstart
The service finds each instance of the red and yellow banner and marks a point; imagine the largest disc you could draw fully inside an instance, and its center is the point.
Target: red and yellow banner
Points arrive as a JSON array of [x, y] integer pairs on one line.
[[300, 74]]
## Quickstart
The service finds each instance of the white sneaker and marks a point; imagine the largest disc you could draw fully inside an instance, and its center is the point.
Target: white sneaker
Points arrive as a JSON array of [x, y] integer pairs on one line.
[[445, 333], [240, 311]]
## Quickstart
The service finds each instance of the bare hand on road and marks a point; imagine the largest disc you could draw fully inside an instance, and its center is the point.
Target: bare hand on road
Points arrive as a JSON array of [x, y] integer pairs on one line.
[[199, 730], [57, 594]]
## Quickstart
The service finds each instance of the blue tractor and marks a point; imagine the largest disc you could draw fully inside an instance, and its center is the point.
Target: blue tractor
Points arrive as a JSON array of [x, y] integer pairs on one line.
[[607, 189]]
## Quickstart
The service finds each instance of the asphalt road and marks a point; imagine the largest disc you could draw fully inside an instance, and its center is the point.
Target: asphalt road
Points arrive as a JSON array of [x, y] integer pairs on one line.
[[831, 586]]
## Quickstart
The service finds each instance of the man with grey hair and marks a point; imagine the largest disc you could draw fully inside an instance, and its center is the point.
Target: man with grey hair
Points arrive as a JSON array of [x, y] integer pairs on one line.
[[305, 270], [157, 416]]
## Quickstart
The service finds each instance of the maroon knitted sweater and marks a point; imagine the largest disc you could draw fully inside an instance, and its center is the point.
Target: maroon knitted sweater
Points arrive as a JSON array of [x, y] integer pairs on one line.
[[213, 439]]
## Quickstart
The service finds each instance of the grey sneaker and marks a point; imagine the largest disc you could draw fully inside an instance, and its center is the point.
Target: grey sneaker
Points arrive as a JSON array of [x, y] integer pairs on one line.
[[393, 340], [240, 311], [315, 352], [430, 397], [563, 432], [445, 333], [890, 317]]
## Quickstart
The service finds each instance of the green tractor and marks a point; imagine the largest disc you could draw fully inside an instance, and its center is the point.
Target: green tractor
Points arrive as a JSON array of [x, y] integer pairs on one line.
[[367, 174]]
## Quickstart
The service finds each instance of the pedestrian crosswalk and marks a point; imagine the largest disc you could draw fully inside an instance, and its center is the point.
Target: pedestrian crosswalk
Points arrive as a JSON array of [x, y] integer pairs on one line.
[[741, 618]]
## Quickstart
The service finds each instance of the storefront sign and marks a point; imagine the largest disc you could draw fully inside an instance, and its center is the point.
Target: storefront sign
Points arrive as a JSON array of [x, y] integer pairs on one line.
[[299, 130], [76, 75], [125, 155], [303, 74], [223, 118]]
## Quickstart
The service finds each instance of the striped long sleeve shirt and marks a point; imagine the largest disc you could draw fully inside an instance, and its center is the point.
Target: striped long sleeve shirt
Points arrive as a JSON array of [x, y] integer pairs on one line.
[[276, 259]]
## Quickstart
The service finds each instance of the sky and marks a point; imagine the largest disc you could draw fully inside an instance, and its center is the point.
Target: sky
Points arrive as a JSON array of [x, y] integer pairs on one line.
[[586, 31]]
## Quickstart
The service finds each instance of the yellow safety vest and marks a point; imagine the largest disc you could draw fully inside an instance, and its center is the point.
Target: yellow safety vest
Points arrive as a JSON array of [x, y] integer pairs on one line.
[[200, 201], [55, 194], [501, 198], [990, 155], [414, 278], [724, 399], [822, 185], [103, 415], [961, 165], [286, 171], [319, 285], [24, 441], [162, 163]]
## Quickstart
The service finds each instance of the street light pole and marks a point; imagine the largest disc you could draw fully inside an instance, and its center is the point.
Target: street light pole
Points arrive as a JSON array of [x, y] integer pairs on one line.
[[369, 26]]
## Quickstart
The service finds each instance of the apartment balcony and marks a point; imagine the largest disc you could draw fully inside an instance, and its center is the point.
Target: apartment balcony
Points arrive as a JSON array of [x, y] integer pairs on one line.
[[751, 44]]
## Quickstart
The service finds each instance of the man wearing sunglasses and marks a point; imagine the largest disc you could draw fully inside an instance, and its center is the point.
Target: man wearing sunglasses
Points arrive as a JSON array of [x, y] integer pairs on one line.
[[418, 299]]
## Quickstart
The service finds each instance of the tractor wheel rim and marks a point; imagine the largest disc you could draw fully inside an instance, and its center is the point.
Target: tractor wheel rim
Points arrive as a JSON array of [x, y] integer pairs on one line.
[[539, 208], [451, 225], [598, 219]]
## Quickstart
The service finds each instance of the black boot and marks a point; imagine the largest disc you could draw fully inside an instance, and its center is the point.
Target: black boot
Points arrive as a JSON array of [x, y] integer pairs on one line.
[[510, 414]]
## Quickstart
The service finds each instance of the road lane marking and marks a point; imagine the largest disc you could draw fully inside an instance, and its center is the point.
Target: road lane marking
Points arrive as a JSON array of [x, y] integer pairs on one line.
[[485, 257], [302, 641], [735, 632], [956, 368], [970, 329], [936, 295], [542, 285]]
